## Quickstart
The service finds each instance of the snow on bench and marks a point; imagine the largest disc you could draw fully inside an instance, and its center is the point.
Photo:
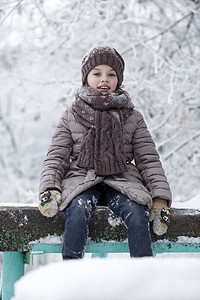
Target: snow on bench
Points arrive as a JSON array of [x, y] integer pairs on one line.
[[22, 227], [24, 232]]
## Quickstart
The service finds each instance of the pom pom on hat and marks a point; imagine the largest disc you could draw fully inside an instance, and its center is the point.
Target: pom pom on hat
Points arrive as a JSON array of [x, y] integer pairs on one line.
[[103, 55]]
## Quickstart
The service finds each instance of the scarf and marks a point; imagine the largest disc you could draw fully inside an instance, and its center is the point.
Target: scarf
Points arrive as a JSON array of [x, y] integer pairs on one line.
[[103, 114]]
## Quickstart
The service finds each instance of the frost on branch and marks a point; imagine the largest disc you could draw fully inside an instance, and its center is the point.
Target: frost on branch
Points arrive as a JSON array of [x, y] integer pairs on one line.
[[42, 46]]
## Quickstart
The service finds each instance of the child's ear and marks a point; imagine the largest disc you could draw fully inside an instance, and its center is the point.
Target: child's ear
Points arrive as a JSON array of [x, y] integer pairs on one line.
[[85, 83]]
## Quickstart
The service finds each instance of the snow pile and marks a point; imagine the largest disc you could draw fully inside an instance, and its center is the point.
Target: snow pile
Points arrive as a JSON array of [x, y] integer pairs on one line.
[[113, 279]]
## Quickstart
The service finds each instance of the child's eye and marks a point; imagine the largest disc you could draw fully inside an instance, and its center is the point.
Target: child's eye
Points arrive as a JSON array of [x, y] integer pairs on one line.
[[97, 74], [112, 75]]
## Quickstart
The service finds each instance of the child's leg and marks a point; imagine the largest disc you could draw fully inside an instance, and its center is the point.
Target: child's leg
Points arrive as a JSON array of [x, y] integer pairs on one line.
[[78, 215], [136, 220]]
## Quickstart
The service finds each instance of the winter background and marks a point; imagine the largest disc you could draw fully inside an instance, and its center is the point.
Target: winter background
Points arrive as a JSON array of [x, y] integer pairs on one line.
[[41, 48]]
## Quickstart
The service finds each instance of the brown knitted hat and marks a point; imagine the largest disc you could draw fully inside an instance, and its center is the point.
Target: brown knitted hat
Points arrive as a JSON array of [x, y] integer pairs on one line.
[[103, 55]]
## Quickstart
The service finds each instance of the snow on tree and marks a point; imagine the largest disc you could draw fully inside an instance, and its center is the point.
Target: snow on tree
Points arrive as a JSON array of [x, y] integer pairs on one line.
[[41, 47]]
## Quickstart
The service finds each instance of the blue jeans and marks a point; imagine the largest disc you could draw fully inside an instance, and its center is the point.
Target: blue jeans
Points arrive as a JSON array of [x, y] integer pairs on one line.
[[79, 213]]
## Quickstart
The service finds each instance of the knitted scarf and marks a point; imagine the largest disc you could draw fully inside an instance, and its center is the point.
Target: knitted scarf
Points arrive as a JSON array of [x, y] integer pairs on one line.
[[103, 114]]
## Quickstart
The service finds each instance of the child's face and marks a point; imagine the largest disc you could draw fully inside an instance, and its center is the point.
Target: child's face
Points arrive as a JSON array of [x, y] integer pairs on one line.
[[102, 78]]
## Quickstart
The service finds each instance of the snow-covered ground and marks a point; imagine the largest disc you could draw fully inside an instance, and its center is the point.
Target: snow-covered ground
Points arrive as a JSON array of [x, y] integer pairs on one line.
[[113, 279]]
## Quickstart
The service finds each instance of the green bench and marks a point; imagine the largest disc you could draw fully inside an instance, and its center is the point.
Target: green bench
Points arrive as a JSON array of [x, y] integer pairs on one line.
[[25, 232]]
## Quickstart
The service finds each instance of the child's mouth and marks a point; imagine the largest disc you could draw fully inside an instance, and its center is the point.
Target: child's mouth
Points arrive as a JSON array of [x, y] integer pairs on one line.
[[104, 88]]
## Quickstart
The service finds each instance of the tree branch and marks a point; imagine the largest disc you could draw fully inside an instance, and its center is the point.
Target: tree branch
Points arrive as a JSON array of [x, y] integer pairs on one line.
[[9, 13], [191, 13], [181, 146]]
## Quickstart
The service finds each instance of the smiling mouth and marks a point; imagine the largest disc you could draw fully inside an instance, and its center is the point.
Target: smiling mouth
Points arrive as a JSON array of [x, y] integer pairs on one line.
[[104, 87]]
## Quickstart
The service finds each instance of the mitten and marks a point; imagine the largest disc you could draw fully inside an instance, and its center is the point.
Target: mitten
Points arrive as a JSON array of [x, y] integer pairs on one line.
[[160, 215], [49, 202]]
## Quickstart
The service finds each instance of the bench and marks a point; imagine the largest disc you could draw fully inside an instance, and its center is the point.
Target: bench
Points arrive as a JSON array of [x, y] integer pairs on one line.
[[25, 232]]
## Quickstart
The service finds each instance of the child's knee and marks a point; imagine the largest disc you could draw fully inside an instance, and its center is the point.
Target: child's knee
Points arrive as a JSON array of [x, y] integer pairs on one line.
[[81, 208], [136, 215]]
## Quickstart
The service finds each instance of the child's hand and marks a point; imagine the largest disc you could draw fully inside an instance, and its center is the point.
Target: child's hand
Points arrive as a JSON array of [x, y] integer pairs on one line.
[[160, 216], [49, 202]]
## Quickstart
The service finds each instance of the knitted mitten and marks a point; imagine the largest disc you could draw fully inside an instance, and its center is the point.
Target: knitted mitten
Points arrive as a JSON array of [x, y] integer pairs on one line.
[[160, 216], [49, 202]]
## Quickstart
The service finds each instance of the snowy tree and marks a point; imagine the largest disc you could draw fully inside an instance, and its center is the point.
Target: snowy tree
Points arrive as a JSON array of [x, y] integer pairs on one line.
[[41, 47]]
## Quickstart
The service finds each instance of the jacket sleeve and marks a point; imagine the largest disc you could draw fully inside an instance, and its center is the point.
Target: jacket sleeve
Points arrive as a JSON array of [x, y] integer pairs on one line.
[[148, 162], [58, 157]]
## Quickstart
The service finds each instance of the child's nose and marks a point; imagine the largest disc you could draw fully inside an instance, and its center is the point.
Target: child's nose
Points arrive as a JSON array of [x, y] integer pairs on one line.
[[104, 78]]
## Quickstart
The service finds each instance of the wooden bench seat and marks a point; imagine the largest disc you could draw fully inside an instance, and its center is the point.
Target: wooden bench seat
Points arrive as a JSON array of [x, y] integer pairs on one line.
[[25, 232]]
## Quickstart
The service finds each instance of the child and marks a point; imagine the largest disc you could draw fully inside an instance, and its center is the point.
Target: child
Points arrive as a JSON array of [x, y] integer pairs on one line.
[[90, 161]]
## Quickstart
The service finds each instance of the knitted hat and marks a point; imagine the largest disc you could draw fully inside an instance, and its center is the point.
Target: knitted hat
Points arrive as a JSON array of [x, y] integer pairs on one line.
[[103, 55]]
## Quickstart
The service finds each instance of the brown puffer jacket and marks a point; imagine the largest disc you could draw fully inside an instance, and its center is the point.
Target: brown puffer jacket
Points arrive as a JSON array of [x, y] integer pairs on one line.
[[144, 180]]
